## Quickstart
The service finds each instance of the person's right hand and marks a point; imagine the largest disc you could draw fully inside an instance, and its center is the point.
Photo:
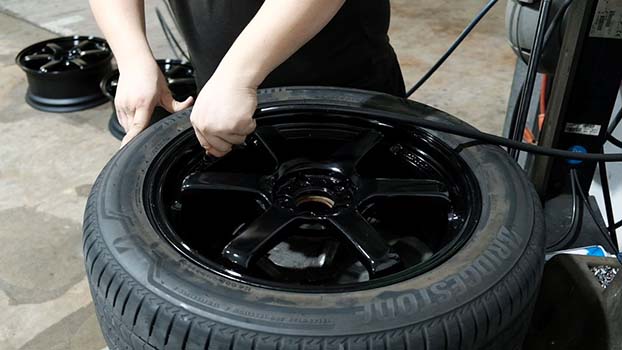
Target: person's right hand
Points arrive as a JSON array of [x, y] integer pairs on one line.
[[140, 89]]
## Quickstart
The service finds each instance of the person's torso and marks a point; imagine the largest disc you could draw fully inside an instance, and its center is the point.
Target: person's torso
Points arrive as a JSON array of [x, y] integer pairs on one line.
[[351, 43]]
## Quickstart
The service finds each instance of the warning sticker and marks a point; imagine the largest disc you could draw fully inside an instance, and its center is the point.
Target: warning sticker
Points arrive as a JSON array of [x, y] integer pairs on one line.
[[582, 129], [607, 21]]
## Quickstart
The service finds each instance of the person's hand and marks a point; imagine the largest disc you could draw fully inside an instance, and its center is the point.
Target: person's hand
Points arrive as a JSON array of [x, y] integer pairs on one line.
[[141, 87], [223, 115]]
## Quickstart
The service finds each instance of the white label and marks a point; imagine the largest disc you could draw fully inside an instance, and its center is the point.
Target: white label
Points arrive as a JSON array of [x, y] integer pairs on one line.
[[582, 129], [607, 21]]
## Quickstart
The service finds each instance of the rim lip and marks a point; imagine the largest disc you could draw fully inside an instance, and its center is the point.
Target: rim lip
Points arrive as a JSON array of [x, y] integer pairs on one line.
[[152, 193], [103, 85], [64, 105], [104, 61]]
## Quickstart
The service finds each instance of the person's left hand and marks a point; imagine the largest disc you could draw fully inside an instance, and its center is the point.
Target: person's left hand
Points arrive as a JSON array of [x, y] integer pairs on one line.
[[223, 115]]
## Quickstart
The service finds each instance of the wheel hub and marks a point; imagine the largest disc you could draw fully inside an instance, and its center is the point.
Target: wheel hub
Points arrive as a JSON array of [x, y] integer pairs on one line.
[[314, 191]]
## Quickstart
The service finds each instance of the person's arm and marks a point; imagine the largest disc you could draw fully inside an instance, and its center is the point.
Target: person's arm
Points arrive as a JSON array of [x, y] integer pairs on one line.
[[222, 115], [142, 85]]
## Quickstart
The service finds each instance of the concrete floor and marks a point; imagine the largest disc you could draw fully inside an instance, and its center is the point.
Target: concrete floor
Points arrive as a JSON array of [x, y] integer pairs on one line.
[[48, 161]]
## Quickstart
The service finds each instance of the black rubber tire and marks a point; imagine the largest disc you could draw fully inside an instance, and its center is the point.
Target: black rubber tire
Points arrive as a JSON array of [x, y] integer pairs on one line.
[[149, 296]]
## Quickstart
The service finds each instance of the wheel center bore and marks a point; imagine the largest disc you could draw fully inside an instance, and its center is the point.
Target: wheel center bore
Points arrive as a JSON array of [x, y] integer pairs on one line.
[[73, 53], [313, 192], [311, 202]]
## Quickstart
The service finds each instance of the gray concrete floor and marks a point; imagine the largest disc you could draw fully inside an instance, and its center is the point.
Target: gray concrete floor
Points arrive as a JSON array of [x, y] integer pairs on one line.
[[49, 161]]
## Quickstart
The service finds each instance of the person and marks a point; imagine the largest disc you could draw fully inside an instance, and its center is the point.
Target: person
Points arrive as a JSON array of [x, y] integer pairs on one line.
[[238, 46]]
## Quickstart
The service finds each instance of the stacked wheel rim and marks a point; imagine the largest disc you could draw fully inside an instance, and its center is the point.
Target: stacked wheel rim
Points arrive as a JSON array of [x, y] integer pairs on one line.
[[180, 79], [64, 73]]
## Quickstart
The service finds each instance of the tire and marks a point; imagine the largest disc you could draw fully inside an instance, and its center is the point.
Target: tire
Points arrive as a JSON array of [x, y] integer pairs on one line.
[[149, 296]]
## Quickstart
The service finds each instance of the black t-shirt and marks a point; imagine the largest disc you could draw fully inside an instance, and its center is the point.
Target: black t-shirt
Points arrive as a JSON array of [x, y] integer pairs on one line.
[[353, 50]]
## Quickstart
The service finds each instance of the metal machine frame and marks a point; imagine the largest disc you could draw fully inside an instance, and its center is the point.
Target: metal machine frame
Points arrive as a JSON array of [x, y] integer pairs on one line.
[[581, 102], [582, 98]]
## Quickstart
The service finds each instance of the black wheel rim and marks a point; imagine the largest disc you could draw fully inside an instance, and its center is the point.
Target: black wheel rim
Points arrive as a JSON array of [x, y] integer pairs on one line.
[[179, 76], [316, 201], [65, 54], [64, 73], [180, 79]]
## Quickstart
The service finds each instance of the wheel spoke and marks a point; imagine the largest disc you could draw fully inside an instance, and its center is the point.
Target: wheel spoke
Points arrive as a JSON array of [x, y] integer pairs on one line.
[[390, 188], [351, 153], [375, 252], [92, 52], [180, 81], [47, 66], [82, 44], [55, 48], [216, 181], [258, 237], [274, 142], [79, 62], [174, 69], [38, 56]]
